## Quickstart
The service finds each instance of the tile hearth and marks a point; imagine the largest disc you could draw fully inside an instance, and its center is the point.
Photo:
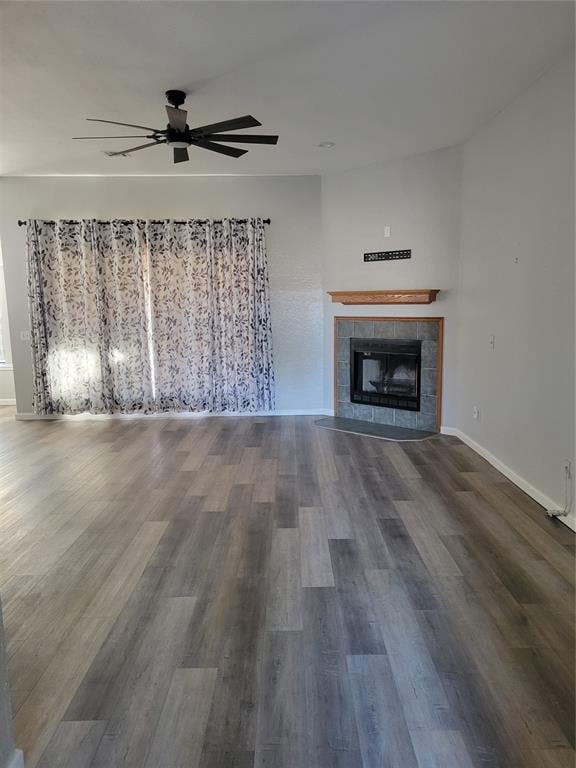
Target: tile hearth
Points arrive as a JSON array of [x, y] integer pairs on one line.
[[373, 429]]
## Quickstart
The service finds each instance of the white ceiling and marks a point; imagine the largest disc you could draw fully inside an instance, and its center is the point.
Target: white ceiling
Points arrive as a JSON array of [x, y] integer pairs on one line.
[[380, 79]]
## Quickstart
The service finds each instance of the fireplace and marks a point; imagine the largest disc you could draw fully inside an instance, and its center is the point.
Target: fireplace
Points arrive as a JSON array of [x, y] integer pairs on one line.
[[386, 372]]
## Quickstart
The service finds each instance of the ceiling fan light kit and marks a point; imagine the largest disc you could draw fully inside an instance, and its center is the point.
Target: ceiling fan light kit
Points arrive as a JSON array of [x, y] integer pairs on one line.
[[179, 136]]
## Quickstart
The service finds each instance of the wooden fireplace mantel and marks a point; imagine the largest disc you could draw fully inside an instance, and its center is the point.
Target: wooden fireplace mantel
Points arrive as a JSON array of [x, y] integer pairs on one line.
[[399, 296]]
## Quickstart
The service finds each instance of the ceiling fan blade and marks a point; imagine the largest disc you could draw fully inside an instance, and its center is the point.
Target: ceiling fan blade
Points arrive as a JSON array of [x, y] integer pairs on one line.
[[177, 118], [180, 155], [247, 121], [242, 138], [111, 137], [128, 125], [135, 149], [221, 148]]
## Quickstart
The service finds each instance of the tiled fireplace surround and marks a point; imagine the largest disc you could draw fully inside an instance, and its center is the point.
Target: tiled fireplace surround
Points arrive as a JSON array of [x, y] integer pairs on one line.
[[429, 330]]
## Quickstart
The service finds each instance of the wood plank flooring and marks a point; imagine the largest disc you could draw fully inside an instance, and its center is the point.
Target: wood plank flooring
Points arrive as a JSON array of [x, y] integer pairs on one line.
[[262, 593]]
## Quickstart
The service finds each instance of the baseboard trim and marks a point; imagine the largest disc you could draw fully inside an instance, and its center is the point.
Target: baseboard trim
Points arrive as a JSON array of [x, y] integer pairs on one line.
[[17, 759], [8, 401], [542, 499], [169, 415]]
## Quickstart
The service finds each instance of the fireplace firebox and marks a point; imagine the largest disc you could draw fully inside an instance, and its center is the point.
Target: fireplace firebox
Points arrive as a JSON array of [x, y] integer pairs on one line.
[[386, 372]]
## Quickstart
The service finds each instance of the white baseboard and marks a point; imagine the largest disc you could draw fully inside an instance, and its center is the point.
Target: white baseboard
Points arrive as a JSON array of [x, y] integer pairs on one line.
[[170, 415], [521, 482], [17, 759], [8, 401]]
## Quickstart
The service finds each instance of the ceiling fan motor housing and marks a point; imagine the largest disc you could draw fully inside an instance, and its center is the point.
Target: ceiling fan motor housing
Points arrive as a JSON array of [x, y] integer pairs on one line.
[[176, 138], [176, 98]]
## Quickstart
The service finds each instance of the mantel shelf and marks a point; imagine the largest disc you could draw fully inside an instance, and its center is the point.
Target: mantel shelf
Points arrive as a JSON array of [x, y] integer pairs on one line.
[[412, 296]]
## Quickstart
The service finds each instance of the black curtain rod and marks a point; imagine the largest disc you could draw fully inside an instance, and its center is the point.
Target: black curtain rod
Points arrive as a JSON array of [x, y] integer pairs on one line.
[[22, 223]]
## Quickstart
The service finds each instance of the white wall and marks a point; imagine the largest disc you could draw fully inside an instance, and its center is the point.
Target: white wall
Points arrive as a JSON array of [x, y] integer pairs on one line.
[[517, 282], [6, 374], [7, 393], [419, 198], [294, 246]]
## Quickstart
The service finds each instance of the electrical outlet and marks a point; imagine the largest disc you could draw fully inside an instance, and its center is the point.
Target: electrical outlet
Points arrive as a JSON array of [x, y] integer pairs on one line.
[[387, 231], [24, 335], [475, 412]]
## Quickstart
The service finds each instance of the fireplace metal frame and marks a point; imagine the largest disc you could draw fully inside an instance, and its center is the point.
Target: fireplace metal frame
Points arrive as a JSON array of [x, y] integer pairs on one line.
[[413, 347]]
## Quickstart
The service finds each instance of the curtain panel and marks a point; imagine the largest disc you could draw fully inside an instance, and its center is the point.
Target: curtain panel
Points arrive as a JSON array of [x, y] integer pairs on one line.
[[89, 327], [148, 316]]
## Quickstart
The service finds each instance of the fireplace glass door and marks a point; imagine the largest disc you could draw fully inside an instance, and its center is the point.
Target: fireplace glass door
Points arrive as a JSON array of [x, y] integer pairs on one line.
[[385, 372]]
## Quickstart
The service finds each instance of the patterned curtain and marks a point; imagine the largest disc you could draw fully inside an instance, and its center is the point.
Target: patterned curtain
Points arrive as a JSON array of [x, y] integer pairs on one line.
[[150, 315], [243, 373], [89, 324], [211, 315]]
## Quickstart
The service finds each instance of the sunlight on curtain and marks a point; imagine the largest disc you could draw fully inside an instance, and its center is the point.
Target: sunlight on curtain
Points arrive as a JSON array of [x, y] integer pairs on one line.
[[68, 369]]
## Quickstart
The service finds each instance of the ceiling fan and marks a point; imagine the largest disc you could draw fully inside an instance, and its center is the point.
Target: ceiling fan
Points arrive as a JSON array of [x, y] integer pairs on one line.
[[180, 136]]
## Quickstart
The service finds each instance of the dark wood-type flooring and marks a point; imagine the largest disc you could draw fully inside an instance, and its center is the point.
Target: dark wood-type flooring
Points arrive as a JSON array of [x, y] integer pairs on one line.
[[263, 593]]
